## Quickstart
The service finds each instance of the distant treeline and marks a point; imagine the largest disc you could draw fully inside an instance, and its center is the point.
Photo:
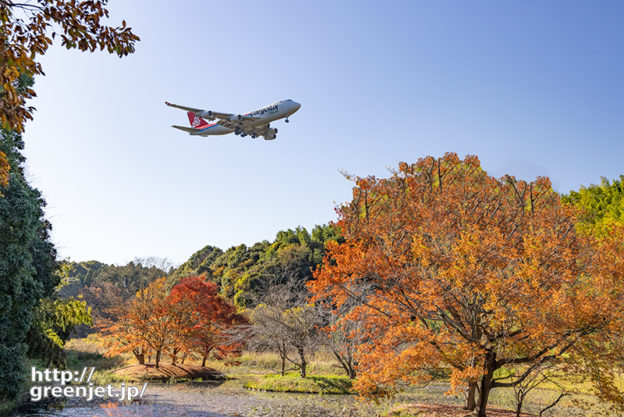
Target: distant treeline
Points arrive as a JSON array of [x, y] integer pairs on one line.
[[240, 272]]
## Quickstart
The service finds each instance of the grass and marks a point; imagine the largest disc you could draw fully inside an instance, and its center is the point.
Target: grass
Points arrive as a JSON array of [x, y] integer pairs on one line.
[[268, 362], [260, 371], [293, 382], [443, 410], [89, 352]]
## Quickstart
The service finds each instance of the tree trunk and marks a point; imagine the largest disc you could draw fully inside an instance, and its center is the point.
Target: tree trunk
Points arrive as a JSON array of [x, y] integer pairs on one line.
[[471, 402], [486, 383], [282, 352], [157, 358], [346, 363], [204, 360], [184, 357], [304, 363], [283, 371], [350, 362], [174, 355], [139, 355], [519, 408]]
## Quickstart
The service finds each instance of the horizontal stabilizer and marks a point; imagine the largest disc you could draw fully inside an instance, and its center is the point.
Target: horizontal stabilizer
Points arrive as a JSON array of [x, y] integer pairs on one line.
[[186, 129]]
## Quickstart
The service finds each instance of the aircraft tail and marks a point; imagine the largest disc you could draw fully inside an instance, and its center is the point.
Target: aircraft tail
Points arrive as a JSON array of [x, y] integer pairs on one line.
[[196, 121]]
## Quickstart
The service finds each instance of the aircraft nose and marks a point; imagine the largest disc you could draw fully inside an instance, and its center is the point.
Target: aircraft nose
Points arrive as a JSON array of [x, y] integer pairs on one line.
[[297, 105]]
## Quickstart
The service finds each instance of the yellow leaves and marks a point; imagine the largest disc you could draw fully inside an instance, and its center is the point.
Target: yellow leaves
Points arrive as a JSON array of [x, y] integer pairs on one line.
[[4, 171], [461, 377]]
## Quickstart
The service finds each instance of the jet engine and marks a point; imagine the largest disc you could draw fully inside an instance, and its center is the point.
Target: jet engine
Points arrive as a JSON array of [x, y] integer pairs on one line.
[[236, 118], [207, 114], [270, 134]]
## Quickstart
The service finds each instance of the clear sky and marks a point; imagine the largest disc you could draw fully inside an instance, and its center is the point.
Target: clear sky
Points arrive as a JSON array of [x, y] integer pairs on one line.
[[532, 88]]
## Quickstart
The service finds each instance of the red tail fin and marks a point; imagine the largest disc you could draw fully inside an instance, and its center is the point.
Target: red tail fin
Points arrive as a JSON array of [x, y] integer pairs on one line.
[[196, 121]]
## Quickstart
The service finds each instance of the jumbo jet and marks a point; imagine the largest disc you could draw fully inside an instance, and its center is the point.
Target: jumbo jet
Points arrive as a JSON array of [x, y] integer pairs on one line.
[[254, 124]]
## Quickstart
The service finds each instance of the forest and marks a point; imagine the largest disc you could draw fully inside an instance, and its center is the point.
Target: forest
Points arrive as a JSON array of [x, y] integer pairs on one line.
[[431, 273], [438, 273]]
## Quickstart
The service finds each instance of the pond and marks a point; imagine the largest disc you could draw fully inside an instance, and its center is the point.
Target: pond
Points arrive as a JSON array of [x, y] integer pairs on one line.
[[209, 400], [231, 399]]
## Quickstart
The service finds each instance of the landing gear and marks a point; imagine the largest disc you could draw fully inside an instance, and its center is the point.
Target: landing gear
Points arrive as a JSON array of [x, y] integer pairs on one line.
[[287, 121], [237, 131]]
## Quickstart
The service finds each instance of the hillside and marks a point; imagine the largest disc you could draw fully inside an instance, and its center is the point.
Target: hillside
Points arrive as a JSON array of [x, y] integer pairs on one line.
[[240, 272]]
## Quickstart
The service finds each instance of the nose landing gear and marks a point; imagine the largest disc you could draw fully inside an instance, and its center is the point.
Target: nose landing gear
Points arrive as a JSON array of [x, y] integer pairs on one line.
[[287, 121]]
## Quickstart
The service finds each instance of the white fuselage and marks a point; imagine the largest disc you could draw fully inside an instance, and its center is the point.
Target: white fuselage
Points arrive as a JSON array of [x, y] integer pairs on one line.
[[281, 109]]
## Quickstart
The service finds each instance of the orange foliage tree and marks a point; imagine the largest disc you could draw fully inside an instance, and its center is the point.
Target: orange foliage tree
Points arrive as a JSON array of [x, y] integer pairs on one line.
[[209, 334], [191, 319], [27, 29], [450, 267], [143, 327]]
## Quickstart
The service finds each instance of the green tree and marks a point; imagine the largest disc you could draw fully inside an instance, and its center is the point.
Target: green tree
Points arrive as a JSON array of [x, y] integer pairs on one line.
[[242, 272], [602, 204], [27, 262], [105, 287], [53, 324], [199, 263]]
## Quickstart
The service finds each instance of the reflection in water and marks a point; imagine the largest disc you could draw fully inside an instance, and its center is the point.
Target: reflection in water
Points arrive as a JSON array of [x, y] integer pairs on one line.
[[115, 410], [263, 405], [230, 399]]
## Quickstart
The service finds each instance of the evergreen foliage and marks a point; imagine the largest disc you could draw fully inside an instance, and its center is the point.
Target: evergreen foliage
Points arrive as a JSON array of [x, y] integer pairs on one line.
[[602, 204], [241, 272], [53, 324], [27, 263]]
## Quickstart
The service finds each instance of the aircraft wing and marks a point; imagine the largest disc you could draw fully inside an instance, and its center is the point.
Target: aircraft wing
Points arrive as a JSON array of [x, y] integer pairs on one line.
[[259, 130], [233, 122], [177, 106], [214, 114], [264, 130]]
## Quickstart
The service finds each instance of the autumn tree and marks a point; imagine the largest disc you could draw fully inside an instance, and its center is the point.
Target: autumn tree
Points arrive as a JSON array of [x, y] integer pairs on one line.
[[204, 320], [450, 267], [192, 318], [28, 29], [145, 325]]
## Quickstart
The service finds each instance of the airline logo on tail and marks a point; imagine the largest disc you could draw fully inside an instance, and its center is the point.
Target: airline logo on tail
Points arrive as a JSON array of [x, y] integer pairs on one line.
[[196, 121]]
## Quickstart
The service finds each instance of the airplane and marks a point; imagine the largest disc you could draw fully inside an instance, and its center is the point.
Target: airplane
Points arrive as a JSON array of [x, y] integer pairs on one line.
[[254, 124]]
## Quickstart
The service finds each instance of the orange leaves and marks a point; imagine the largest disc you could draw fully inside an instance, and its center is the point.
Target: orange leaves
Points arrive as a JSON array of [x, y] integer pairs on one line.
[[23, 36], [449, 266], [192, 318], [4, 170]]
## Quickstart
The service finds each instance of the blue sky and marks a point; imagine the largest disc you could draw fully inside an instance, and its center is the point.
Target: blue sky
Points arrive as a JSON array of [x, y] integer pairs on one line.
[[532, 88]]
